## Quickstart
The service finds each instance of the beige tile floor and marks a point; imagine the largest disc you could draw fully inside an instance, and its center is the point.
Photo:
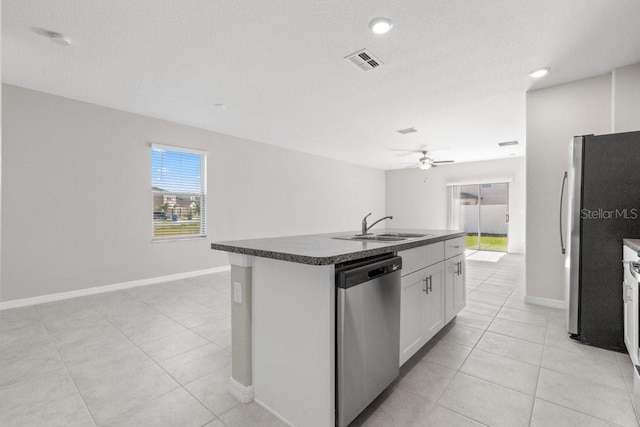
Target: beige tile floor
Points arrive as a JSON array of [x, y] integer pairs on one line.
[[503, 362], [159, 355]]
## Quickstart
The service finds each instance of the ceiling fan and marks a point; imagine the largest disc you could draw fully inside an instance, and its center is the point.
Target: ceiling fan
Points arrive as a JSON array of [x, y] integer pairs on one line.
[[427, 162]]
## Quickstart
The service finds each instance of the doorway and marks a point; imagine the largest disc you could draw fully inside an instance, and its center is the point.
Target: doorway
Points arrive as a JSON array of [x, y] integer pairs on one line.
[[483, 212]]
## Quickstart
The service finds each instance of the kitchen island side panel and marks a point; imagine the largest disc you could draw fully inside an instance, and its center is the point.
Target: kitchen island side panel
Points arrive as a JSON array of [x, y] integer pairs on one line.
[[294, 341]]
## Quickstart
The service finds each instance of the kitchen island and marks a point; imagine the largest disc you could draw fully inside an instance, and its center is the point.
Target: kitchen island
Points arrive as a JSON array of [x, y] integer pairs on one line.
[[284, 311]]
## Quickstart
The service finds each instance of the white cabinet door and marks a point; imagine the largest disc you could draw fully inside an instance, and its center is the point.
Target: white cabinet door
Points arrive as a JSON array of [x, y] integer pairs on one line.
[[422, 307], [455, 287], [630, 299], [434, 300], [412, 302]]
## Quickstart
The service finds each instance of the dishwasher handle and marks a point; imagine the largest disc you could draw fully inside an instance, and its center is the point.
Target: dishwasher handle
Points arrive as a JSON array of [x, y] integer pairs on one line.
[[358, 273]]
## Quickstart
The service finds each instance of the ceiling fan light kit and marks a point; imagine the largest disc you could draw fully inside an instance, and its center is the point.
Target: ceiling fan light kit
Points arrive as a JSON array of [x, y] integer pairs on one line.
[[426, 162]]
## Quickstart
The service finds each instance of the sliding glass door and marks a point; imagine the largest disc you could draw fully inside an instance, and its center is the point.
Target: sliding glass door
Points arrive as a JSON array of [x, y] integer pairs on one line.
[[482, 211]]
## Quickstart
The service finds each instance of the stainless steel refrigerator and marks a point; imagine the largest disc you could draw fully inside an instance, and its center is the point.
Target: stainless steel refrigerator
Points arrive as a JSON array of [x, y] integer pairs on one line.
[[603, 203]]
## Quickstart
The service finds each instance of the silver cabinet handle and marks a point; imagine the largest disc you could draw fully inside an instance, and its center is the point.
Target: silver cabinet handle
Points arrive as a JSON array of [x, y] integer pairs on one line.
[[428, 282], [457, 246], [626, 297]]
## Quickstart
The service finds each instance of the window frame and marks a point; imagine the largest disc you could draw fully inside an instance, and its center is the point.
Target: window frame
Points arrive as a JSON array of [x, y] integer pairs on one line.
[[203, 194]]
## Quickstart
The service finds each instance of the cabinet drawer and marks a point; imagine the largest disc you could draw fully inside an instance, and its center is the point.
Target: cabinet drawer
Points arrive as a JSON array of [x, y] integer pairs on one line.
[[423, 256], [454, 247]]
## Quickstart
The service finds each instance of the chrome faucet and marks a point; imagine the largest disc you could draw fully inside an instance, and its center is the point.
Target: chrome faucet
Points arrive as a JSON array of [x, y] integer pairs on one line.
[[366, 228]]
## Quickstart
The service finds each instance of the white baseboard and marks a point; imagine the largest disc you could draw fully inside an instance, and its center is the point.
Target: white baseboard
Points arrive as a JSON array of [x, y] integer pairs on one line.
[[241, 392], [546, 302], [274, 413], [108, 288]]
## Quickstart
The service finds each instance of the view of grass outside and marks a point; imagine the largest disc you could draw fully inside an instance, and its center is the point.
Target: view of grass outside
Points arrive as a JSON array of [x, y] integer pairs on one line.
[[487, 243], [167, 228]]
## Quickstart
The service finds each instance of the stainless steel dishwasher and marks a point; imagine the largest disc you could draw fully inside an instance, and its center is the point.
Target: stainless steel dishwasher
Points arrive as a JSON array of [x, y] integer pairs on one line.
[[367, 332]]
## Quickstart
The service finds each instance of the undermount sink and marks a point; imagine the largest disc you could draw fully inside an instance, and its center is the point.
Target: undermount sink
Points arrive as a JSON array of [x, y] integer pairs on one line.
[[405, 235], [374, 237], [383, 237]]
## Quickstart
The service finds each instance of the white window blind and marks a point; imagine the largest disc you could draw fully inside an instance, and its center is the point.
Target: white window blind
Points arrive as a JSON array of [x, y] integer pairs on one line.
[[178, 187]]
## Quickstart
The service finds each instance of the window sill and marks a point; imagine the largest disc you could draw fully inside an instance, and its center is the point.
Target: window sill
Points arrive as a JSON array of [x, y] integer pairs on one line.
[[178, 239]]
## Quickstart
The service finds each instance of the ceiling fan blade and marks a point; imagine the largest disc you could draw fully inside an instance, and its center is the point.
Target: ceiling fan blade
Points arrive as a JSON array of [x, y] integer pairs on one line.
[[402, 152], [405, 150], [410, 167], [443, 161]]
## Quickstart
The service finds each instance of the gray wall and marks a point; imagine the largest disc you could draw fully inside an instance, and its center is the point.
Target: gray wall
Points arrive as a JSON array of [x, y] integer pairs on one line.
[[415, 202], [76, 195], [626, 98], [554, 116]]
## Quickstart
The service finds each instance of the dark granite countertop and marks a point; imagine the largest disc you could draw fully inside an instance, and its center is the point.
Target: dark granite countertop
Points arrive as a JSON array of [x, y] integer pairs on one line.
[[633, 244], [322, 249]]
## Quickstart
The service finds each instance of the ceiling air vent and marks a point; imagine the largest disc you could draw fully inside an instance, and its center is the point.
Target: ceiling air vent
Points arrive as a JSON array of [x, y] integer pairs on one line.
[[364, 59], [406, 131], [508, 143]]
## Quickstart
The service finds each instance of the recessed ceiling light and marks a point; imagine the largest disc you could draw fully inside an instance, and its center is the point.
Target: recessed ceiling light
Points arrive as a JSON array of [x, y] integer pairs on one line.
[[220, 106], [381, 25], [55, 37], [540, 72]]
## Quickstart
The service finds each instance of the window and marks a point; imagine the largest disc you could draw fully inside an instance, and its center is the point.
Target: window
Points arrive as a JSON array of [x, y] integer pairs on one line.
[[178, 187]]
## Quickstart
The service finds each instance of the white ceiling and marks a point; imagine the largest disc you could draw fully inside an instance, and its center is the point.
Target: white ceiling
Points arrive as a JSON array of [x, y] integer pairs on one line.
[[456, 70]]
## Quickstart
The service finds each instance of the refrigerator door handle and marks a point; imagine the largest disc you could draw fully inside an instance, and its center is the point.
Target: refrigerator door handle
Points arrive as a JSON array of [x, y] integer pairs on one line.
[[562, 245]]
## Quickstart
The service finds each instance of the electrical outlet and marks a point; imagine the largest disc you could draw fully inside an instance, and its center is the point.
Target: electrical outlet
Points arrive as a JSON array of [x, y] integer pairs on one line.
[[237, 292]]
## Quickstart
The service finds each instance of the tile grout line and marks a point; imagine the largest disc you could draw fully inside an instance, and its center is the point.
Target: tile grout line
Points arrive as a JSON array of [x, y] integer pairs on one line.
[[190, 328], [146, 354], [122, 376], [216, 416], [546, 346], [630, 393], [458, 370], [180, 385], [535, 394], [64, 363], [580, 412], [92, 308]]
